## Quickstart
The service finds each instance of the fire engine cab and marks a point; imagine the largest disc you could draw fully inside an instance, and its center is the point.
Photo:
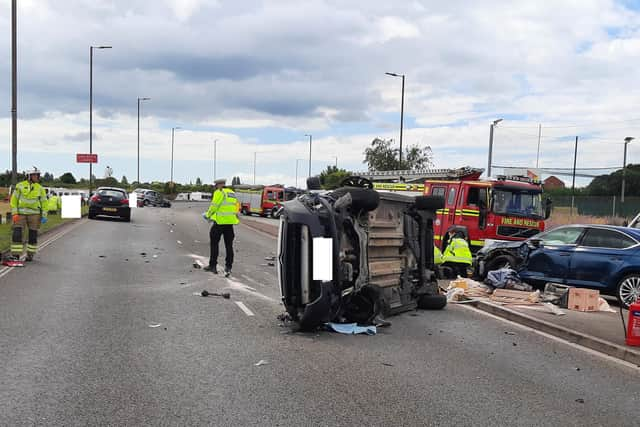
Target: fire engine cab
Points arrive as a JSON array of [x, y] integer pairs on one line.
[[504, 208]]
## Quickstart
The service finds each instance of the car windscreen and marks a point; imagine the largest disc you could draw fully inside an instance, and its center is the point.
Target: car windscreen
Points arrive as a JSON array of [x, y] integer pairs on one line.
[[112, 193], [518, 202], [561, 236]]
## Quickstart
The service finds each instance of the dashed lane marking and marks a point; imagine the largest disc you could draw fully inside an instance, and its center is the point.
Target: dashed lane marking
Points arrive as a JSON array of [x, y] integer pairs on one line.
[[255, 282], [244, 308]]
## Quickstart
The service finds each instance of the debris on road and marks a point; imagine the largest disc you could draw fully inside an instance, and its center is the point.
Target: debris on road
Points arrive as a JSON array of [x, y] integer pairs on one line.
[[196, 265], [261, 362], [579, 400], [225, 295], [155, 256], [101, 256], [179, 242], [155, 325], [387, 364], [143, 253], [269, 258], [509, 296], [350, 328]]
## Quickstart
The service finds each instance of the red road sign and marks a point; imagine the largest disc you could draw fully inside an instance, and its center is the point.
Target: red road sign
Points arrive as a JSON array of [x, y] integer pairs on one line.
[[86, 158]]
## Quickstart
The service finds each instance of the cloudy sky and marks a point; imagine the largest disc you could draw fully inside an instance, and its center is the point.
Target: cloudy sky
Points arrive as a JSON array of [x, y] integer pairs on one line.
[[259, 75]]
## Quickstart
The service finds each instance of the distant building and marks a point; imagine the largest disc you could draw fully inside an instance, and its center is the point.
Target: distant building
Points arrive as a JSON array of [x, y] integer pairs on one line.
[[553, 183]]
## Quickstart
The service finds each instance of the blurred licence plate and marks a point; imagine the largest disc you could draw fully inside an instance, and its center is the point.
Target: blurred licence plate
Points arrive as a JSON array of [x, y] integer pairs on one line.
[[110, 209]]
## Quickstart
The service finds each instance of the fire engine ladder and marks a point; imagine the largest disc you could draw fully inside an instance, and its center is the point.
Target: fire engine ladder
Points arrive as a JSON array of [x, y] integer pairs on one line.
[[419, 175]]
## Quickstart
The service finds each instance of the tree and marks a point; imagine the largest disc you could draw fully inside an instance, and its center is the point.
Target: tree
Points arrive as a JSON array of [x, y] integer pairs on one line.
[[331, 177], [67, 178], [611, 184], [235, 180], [381, 156], [47, 177], [124, 180], [198, 182]]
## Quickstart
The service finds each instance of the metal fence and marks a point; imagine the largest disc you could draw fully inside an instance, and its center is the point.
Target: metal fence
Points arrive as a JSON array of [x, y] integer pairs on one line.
[[600, 206]]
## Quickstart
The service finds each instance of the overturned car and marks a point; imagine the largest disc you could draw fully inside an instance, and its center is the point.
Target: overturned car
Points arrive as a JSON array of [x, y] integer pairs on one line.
[[353, 254]]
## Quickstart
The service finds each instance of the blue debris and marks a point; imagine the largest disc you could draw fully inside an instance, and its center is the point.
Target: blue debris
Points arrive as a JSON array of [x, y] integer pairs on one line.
[[350, 328]]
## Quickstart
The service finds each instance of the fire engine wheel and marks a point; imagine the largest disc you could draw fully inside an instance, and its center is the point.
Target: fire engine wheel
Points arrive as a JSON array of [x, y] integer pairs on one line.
[[501, 261], [429, 203], [363, 199], [244, 211], [432, 302], [629, 290]]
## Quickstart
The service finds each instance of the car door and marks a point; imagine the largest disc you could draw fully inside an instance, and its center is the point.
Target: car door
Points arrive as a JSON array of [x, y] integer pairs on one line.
[[599, 255], [551, 260]]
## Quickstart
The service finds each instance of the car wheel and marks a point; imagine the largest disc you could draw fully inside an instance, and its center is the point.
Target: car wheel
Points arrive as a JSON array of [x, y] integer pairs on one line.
[[501, 261], [432, 302], [275, 212], [629, 290], [146, 203], [91, 216], [244, 211], [363, 199]]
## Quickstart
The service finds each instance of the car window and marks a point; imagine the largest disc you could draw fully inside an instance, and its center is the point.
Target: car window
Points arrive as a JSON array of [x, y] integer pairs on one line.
[[111, 193], [601, 238], [561, 236]]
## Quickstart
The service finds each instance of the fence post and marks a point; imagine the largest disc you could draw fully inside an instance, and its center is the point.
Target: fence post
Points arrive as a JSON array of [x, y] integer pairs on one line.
[[571, 212], [614, 206]]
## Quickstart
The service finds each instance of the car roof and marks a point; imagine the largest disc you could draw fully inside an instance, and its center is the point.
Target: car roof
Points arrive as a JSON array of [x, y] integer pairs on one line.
[[633, 232], [111, 188]]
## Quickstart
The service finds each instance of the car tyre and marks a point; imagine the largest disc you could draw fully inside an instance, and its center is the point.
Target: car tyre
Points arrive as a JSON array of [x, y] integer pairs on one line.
[[432, 302], [244, 211], [363, 199], [628, 287], [500, 261], [424, 203]]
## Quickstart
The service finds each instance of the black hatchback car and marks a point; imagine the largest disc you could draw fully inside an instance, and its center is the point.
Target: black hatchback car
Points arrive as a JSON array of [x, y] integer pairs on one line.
[[110, 201]]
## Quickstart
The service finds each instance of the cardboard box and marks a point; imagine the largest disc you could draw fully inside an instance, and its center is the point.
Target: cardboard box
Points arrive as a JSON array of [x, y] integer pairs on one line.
[[583, 299]]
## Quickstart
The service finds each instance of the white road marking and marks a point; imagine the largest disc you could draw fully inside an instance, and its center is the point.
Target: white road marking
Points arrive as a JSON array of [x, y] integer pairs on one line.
[[244, 308], [244, 288], [554, 338], [255, 282], [4, 271]]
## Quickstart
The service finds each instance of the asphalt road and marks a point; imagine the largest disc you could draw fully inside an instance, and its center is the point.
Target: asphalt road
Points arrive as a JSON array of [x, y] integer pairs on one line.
[[77, 347]]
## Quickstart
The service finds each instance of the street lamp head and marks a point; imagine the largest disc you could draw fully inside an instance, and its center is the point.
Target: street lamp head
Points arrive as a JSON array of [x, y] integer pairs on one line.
[[495, 122], [103, 47], [393, 74], [176, 128], [628, 139], [144, 99]]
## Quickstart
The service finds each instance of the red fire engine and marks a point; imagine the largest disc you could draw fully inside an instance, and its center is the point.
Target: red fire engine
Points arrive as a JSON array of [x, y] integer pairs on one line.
[[262, 199], [504, 208]]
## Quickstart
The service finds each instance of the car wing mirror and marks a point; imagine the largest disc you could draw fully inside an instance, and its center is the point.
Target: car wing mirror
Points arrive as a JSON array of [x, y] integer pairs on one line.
[[535, 243]]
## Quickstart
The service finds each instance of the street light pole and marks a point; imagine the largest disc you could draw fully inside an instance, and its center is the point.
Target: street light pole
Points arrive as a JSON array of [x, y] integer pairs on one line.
[[215, 149], [254, 168], [336, 157], [14, 95], [493, 125], [139, 99], [310, 141], [297, 160], [173, 131], [91, 108], [627, 140], [401, 113]]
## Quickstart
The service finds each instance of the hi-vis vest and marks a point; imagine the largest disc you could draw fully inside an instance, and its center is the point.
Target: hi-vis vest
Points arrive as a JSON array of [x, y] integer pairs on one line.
[[29, 199], [457, 251], [224, 207], [437, 255], [54, 203]]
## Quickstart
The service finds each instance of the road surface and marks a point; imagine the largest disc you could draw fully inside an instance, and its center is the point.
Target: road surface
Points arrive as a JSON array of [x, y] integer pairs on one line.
[[80, 345]]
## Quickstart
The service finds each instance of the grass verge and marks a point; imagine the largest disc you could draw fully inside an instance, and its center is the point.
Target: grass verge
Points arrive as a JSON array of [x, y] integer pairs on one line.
[[53, 222]]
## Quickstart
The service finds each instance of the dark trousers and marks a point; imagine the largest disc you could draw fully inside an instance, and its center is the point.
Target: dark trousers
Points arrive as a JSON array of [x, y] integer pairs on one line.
[[215, 233]]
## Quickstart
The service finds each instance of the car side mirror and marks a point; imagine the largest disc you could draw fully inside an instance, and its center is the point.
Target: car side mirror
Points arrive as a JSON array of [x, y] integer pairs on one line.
[[547, 208], [535, 243]]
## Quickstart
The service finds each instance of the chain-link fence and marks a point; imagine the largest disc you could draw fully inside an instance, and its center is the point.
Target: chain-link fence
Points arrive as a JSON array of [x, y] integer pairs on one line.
[[598, 206]]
